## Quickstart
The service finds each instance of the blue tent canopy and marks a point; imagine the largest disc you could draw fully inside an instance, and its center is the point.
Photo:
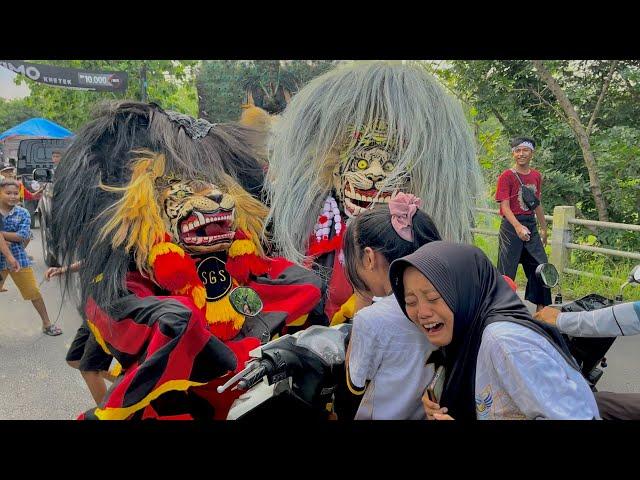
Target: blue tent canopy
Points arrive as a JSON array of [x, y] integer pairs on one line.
[[37, 127]]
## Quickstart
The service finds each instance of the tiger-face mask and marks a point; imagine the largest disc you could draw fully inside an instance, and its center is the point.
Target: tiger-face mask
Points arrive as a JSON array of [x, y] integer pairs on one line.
[[365, 163], [198, 215]]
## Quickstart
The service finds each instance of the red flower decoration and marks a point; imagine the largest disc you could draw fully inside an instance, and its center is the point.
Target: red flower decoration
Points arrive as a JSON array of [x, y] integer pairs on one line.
[[322, 219]]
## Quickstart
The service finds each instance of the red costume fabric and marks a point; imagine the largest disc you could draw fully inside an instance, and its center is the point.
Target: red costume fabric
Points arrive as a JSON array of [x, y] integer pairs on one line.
[[164, 343]]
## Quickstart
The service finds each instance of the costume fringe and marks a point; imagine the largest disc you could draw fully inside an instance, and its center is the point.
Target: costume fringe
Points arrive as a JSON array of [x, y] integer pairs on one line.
[[325, 246], [223, 320], [135, 220]]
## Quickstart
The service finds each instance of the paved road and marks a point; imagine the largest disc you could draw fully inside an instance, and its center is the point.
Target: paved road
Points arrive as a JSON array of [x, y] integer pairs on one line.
[[36, 383]]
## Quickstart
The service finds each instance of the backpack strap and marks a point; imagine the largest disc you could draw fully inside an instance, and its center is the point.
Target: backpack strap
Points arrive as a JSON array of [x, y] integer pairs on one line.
[[517, 176]]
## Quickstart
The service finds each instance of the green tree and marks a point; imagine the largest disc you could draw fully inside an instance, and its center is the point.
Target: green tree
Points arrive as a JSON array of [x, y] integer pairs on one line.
[[223, 84], [14, 112], [170, 83], [596, 97]]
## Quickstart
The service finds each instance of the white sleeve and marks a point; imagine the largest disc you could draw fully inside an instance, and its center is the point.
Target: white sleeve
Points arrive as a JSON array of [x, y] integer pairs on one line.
[[616, 321], [539, 384], [366, 350]]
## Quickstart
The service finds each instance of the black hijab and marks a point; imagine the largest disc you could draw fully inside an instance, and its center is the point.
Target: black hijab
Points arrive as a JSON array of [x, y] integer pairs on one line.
[[477, 295]]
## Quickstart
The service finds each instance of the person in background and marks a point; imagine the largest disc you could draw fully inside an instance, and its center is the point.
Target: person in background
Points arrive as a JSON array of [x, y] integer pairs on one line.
[[616, 321], [8, 172], [12, 263], [16, 223], [518, 193], [56, 155]]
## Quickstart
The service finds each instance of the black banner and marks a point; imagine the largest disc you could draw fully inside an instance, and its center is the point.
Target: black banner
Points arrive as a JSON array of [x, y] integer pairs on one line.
[[64, 77]]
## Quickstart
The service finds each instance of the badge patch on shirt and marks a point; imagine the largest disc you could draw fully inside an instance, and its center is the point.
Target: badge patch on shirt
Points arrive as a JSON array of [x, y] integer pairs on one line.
[[214, 276], [484, 401]]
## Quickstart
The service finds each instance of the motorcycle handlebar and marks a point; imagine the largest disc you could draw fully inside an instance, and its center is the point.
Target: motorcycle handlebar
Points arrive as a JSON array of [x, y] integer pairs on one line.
[[255, 376]]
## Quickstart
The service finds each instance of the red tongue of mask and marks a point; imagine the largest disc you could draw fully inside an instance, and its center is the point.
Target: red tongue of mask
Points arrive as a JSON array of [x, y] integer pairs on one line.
[[215, 228], [372, 192]]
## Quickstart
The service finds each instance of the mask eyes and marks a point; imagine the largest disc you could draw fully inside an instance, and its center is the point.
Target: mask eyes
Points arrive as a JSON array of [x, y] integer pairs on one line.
[[180, 194], [388, 167], [362, 164]]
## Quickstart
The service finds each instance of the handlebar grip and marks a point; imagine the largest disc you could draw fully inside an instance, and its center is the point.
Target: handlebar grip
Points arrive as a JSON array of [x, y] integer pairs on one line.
[[252, 378]]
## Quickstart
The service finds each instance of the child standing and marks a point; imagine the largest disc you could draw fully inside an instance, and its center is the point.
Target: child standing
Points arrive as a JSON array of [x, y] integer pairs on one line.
[[16, 229], [387, 356]]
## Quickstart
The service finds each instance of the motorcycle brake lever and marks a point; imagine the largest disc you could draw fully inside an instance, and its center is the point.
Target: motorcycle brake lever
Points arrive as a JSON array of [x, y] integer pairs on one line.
[[237, 376]]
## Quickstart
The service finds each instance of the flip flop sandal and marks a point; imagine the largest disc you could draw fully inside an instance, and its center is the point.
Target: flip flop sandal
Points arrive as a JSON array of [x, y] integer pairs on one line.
[[52, 330]]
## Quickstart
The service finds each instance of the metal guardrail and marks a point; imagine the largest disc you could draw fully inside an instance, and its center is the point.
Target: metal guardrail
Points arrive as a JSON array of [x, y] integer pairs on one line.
[[604, 251], [495, 211], [597, 223], [562, 220]]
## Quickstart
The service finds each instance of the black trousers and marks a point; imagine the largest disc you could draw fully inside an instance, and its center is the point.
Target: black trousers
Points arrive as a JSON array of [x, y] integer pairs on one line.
[[86, 348], [512, 251]]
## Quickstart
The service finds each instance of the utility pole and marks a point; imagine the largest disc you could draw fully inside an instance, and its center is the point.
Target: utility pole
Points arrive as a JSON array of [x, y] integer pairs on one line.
[[143, 81]]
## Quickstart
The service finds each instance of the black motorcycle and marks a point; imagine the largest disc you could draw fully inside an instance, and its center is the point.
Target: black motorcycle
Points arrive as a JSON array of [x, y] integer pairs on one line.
[[588, 352], [296, 375]]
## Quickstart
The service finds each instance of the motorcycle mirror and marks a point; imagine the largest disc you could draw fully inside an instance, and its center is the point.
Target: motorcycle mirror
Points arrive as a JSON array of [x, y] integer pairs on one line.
[[548, 275], [246, 301], [42, 175]]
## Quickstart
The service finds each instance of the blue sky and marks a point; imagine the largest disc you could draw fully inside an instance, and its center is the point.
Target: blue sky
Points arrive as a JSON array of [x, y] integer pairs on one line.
[[8, 89]]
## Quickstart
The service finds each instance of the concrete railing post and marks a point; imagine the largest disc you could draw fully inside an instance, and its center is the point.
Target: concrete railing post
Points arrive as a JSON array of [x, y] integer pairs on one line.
[[562, 233]]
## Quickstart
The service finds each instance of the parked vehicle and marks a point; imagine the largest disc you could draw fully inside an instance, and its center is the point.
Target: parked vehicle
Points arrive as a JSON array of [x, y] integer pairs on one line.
[[43, 213], [36, 153]]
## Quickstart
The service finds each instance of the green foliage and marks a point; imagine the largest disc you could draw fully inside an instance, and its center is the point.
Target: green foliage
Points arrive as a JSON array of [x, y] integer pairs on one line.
[[618, 151], [574, 286], [14, 112], [506, 98], [220, 94], [170, 83], [222, 84]]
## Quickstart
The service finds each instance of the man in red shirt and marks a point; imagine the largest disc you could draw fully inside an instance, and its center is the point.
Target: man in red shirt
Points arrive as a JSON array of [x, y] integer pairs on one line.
[[518, 193]]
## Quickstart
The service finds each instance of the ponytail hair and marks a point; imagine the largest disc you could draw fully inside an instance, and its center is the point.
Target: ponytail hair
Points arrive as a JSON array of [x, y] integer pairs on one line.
[[373, 229]]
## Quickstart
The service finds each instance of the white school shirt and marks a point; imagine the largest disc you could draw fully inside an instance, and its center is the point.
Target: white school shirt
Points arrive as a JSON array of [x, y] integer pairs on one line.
[[521, 375], [390, 352]]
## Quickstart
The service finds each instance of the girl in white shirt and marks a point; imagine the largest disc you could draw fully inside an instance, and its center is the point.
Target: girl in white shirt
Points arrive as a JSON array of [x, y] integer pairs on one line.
[[387, 356], [499, 362]]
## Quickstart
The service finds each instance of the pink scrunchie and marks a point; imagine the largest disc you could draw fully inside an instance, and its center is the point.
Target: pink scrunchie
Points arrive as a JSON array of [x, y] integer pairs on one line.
[[403, 207]]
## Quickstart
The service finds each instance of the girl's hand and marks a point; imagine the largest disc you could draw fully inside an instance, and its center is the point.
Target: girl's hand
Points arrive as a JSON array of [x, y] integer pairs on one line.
[[432, 408], [440, 416]]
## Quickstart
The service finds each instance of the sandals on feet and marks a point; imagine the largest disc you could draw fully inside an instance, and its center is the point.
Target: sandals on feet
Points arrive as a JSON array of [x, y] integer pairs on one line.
[[52, 330]]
